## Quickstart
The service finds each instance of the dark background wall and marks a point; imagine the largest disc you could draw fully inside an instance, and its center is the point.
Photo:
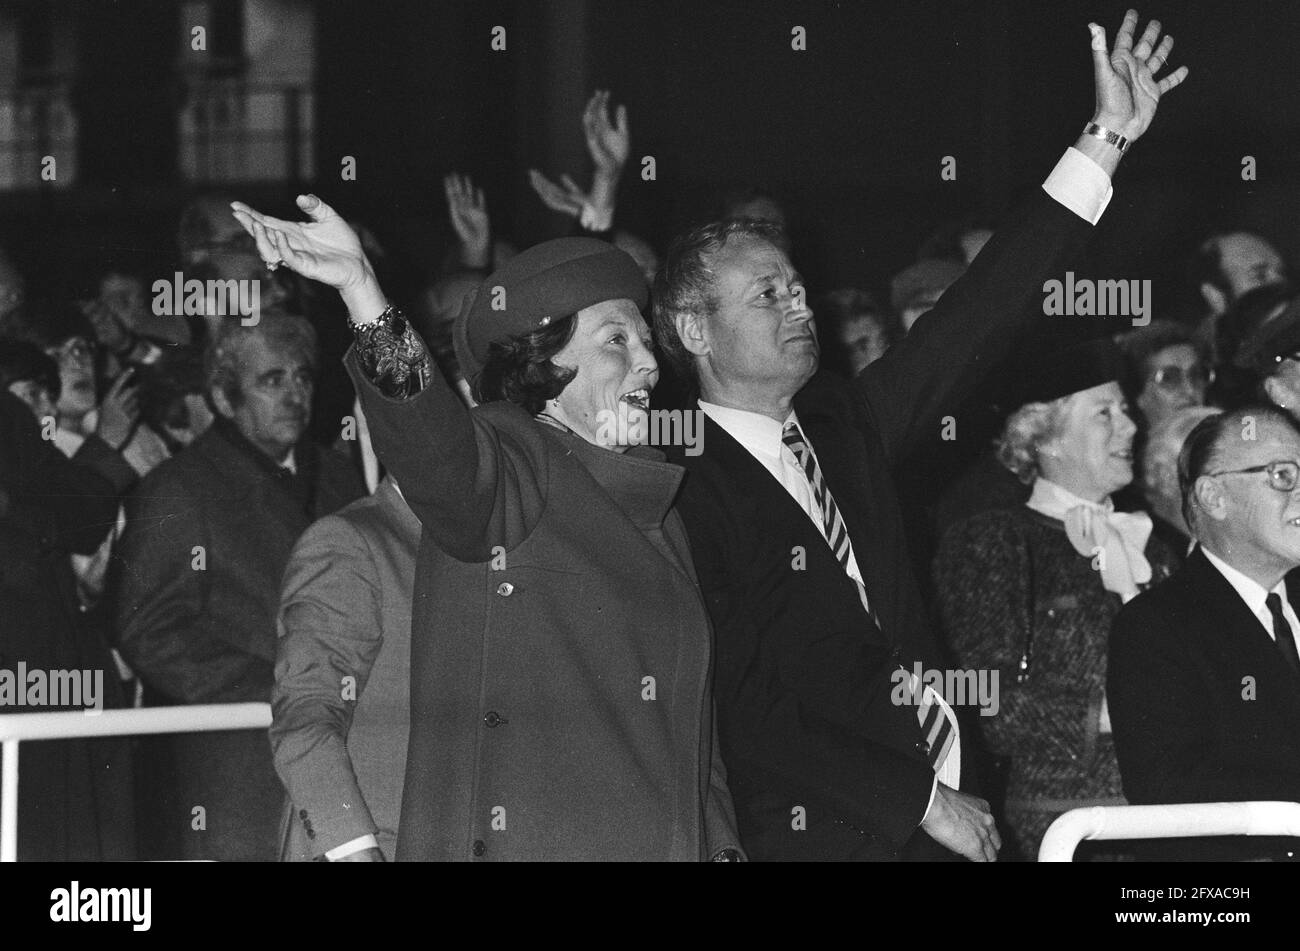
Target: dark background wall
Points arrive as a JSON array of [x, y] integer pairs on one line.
[[851, 132]]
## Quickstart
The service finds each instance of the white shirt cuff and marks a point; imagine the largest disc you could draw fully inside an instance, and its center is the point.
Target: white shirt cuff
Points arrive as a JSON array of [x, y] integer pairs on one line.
[[1079, 184], [934, 789], [359, 844]]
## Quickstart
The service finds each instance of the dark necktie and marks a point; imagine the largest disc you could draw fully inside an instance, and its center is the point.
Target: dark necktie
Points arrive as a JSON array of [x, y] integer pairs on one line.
[[1282, 632], [938, 728]]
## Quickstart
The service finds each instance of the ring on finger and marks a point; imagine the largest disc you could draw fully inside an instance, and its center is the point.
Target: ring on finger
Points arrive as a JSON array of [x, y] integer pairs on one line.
[[273, 266]]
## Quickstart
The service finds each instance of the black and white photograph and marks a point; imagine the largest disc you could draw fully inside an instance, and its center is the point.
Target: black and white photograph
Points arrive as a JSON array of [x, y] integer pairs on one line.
[[646, 431]]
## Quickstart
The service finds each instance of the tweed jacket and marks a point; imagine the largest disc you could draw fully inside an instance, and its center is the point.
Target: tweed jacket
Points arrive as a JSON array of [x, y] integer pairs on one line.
[[1013, 590]]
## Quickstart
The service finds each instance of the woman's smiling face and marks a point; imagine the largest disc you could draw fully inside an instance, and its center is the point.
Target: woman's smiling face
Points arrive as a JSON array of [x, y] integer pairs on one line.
[[608, 401], [1092, 452]]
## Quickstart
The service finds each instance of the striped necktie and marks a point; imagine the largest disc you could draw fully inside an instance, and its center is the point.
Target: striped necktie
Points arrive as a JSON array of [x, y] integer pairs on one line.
[[937, 724]]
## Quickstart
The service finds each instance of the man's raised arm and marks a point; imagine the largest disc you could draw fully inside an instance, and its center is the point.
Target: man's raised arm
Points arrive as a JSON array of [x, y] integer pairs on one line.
[[950, 349]]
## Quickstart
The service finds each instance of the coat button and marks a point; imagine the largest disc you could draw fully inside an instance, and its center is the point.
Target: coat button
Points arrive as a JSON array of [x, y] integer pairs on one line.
[[302, 813], [505, 588], [494, 719], [479, 848], [923, 748]]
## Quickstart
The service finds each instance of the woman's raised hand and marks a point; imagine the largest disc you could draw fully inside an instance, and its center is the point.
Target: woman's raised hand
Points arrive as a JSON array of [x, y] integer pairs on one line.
[[324, 249]]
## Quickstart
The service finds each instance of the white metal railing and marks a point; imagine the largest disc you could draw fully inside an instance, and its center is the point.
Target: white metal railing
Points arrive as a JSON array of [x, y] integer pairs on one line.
[[1174, 821], [17, 727]]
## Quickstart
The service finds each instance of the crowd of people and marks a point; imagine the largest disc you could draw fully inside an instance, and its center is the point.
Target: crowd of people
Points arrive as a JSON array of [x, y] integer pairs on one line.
[[494, 621]]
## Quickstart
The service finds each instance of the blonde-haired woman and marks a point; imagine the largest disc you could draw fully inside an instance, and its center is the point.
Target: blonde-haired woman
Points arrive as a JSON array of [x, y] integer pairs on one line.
[[1030, 592]]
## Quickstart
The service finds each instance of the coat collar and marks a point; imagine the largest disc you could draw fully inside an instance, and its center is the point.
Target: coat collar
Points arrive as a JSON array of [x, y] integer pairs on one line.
[[239, 460], [638, 481]]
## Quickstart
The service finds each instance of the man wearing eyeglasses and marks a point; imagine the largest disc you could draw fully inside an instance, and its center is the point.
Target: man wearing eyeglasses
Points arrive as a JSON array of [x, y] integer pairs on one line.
[[1204, 675]]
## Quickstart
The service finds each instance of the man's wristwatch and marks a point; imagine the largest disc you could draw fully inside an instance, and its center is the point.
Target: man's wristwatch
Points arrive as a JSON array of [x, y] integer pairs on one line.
[[1107, 136], [728, 855]]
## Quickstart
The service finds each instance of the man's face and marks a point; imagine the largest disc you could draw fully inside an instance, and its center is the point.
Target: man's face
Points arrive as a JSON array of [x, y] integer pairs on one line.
[[864, 341], [125, 297], [1248, 261], [37, 397], [762, 335], [276, 383], [609, 399], [1260, 519], [76, 360], [1175, 379]]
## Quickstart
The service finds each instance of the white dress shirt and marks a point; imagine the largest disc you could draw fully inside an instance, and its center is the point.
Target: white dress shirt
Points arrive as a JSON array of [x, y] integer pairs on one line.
[[1253, 593]]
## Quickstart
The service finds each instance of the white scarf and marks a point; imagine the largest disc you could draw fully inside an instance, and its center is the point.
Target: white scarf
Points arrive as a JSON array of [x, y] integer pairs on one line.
[[1096, 529]]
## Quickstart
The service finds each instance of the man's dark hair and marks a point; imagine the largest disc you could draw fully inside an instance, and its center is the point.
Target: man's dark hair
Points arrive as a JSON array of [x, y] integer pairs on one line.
[[684, 284], [519, 370], [21, 361], [1202, 447]]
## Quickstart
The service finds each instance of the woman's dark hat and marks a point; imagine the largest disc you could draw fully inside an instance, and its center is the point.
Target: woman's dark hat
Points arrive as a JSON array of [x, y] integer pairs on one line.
[[548, 281], [1072, 369]]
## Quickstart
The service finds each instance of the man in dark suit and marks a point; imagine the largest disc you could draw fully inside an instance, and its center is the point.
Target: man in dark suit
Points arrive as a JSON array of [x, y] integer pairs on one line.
[[794, 518], [1204, 678], [208, 535]]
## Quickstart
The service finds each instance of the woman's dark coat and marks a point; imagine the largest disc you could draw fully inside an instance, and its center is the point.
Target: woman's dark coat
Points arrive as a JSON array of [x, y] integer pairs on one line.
[[560, 658]]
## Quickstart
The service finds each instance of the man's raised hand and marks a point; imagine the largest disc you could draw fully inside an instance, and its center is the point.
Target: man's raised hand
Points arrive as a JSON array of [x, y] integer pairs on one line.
[[467, 209], [1125, 77], [608, 142]]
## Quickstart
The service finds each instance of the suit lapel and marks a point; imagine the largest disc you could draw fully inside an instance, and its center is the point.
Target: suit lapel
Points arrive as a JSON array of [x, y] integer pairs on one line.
[[752, 480], [1233, 629], [770, 511]]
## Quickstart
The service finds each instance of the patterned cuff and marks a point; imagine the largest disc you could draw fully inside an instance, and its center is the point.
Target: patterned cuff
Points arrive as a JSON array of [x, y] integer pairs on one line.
[[392, 355]]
